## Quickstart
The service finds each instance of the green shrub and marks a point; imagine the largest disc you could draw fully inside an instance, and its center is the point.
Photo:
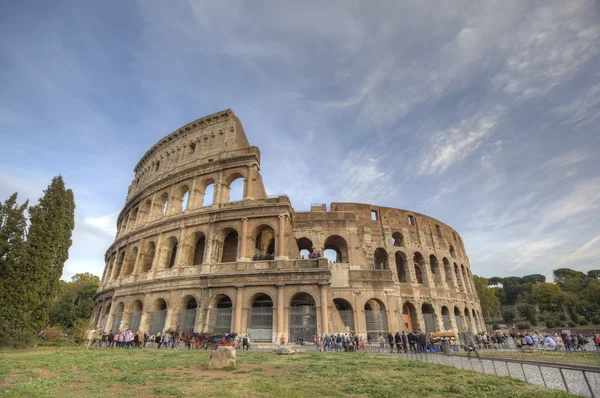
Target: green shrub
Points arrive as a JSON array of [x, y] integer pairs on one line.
[[571, 324], [596, 320], [523, 326], [562, 316], [550, 324], [496, 326], [79, 329], [53, 333], [582, 322]]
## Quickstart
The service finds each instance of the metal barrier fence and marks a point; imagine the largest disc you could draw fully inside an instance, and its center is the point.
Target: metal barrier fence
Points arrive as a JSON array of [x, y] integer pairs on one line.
[[589, 357], [578, 380]]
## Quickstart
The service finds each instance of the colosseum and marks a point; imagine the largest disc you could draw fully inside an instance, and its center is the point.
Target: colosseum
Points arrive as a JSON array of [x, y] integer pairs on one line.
[[189, 254]]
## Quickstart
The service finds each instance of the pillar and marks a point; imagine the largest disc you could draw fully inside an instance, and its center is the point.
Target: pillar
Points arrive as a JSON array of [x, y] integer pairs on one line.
[[250, 182], [244, 237], [157, 255], [324, 304], [280, 305], [281, 238], [237, 327]]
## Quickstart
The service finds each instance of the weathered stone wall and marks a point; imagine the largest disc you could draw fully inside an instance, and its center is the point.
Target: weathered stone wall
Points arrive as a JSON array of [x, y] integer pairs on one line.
[[209, 262]]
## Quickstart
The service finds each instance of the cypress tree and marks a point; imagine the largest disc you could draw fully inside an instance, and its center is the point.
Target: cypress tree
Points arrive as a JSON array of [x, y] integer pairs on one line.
[[48, 242], [14, 284]]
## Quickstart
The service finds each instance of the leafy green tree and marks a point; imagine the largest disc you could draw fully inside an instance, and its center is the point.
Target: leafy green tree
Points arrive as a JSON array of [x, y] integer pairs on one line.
[[527, 311], [48, 242], [548, 296], [15, 285], [508, 316], [569, 280], [75, 300], [534, 278], [494, 280], [594, 274], [512, 288], [489, 302]]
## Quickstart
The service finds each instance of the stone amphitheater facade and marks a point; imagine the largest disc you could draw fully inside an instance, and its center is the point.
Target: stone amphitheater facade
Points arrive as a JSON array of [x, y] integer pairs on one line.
[[187, 256]]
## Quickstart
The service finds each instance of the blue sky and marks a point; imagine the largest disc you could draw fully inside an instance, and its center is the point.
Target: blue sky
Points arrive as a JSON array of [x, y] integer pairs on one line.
[[485, 115]]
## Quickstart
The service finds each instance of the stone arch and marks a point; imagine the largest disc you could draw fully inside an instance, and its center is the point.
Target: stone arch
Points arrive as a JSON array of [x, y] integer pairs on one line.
[[401, 267], [263, 241], [260, 319], [446, 318], [120, 262], [380, 259], [339, 246], [305, 247], [419, 262], [199, 248], [133, 218], [465, 279], [303, 317], [239, 193], [468, 320], [130, 264], [118, 317], [448, 271], [458, 320], [207, 190], [409, 316], [475, 320], [458, 278], [376, 318], [171, 246], [180, 197], [429, 318], [452, 252], [161, 206], [397, 239], [187, 314], [148, 257], [135, 315], [435, 269], [220, 318], [346, 314], [228, 245], [145, 210], [158, 316]]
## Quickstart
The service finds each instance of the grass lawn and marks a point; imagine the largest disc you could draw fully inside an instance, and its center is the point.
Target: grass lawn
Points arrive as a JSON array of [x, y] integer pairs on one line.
[[75, 372]]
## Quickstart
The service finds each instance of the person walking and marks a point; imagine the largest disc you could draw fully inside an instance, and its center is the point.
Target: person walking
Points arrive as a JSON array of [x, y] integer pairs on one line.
[[398, 339], [381, 344]]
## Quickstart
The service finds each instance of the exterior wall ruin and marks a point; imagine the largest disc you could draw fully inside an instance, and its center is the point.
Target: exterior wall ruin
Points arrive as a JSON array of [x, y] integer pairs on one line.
[[186, 258]]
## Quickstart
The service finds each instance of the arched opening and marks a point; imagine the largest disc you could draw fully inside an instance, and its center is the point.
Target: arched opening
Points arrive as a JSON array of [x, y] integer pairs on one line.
[[475, 320], [429, 318], [260, 320], [397, 239], [448, 272], [229, 247], [132, 219], [149, 257], [409, 316], [376, 318], [305, 247], [171, 252], [185, 201], [123, 229], [136, 315], [161, 205], [233, 190], [109, 266], [452, 252], [435, 269], [199, 250], [458, 277], [401, 267], [118, 317], [465, 279], [158, 316], [336, 247], [221, 315], [105, 317], [144, 214], [446, 318], [344, 310], [180, 198], [303, 317], [187, 316], [468, 321], [380, 259], [130, 265], [119, 264], [419, 262], [458, 320], [264, 243], [209, 194]]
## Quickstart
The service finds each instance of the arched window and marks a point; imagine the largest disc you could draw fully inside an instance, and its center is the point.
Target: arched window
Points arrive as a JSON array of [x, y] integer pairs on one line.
[[465, 279], [435, 268], [229, 248], [144, 214], [419, 267], [119, 264], [305, 247], [209, 194], [452, 252], [130, 266], [397, 239], [448, 271], [172, 253], [264, 243], [148, 258], [409, 316], [337, 248], [401, 267], [458, 277], [234, 188], [199, 250], [380, 259]]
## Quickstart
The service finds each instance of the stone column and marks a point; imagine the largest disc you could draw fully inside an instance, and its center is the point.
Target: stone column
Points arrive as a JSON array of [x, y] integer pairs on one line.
[[244, 237], [324, 304], [281, 238], [238, 309], [280, 305], [157, 255], [114, 266], [252, 169]]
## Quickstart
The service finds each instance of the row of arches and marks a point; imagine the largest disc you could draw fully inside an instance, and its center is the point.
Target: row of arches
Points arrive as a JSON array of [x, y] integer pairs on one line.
[[184, 196], [302, 317]]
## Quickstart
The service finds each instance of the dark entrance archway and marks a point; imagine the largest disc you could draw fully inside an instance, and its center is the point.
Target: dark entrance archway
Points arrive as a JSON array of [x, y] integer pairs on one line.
[[303, 317]]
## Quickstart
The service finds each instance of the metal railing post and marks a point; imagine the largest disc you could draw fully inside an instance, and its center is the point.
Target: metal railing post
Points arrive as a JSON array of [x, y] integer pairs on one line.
[[524, 375], [542, 374], [564, 380], [588, 384]]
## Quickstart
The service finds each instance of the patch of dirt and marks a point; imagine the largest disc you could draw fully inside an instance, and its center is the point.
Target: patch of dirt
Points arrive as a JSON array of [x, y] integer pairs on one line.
[[10, 379], [202, 371], [44, 373]]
